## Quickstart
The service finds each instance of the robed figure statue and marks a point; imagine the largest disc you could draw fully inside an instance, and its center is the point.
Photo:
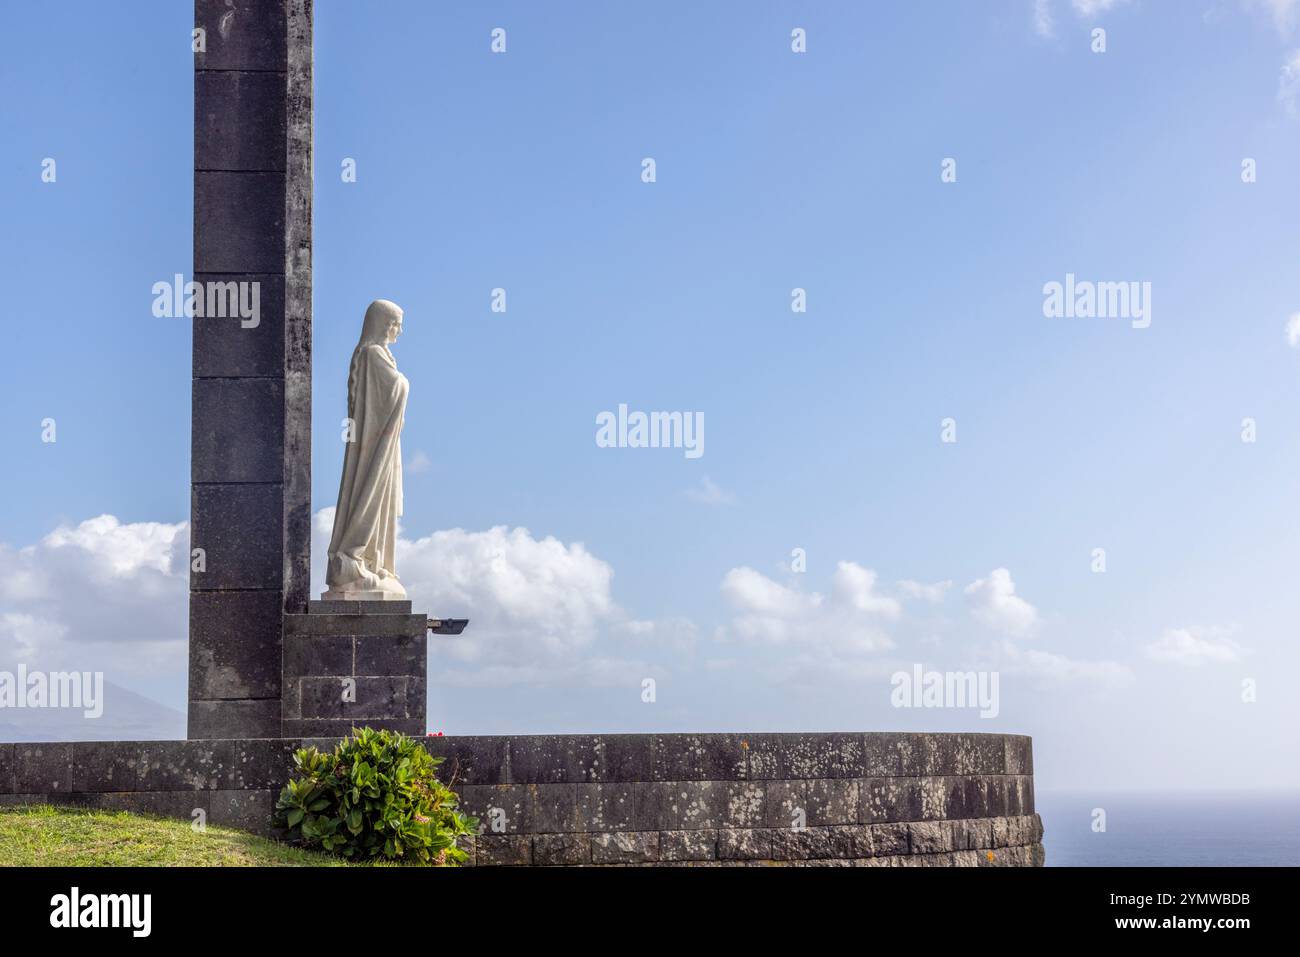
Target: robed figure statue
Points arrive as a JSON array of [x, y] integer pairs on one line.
[[361, 563]]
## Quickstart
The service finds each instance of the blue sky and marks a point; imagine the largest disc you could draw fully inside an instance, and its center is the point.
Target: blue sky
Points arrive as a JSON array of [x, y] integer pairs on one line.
[[775, 170]]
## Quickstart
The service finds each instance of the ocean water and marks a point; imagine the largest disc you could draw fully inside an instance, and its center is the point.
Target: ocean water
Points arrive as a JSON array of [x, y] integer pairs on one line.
[[1178, 829]]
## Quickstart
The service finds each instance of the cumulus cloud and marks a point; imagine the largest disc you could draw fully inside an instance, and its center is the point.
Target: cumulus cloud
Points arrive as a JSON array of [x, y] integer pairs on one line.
[[708, 492], [1293, 331], [925, 592], [995, 604], [1036, 663], [540, 611], [849, 618], [100, 595], [1194, 646]]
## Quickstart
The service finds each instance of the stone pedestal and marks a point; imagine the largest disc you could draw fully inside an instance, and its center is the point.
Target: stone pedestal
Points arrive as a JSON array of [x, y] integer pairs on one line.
[[352, 663]]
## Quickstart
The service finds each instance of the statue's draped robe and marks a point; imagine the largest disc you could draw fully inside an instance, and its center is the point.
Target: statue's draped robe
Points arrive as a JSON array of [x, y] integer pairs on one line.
[[370, 493]]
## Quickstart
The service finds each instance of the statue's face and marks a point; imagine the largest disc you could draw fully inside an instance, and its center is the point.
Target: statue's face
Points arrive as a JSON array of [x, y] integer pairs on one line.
[[395, 329]]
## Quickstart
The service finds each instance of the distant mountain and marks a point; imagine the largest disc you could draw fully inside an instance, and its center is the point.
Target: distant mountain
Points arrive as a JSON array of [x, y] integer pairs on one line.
[[127, 717]]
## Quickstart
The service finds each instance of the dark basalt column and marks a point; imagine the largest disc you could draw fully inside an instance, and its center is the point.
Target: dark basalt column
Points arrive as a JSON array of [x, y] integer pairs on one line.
[[250, 467]]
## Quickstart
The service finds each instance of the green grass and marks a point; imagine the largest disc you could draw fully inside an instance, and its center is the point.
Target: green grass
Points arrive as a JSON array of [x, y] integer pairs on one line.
[[40, 836]]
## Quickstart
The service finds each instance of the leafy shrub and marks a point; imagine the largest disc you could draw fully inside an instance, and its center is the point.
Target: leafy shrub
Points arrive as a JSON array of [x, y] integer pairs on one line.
[[375, 796]]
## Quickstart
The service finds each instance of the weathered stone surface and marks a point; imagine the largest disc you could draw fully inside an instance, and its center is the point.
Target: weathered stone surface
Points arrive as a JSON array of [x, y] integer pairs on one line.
[[889, 839], [241, 35], [656, 806], [342, 727], [748, 844], [261, 764], [177, 804], [238, 222], [606, 807], [833, 801], [561, 849], [249, 810], [639, 822], [347, 625], [299, 150], [6, 768], [976, 796], [811, 843], [1019, 754], [381, 696], [995, 788], [800, 756], [889, 799], [43, 768], [625, 847], [239, 121], [238, 527], [234, 645], [186, 765], [473, 759], [335, 606], [628, 757], [315, 655], [226, 346], [861, 841], [699, 757], [930, 837], [237, 431], [700, 845], [934, 798], [392, 654], [787, 804], [105, 765], [890, 755], [503, 850], [941, 754], [250, 718]]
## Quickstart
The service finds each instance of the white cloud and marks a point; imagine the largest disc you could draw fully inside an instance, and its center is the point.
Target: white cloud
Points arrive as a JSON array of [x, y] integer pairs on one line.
[[849, 619], [1293, 331], [1036, 663], [96, 583], [1288, 83], [417, 464], [1283, 13], [540, 611], [1194, 646], [1090, 8], [925, 592], [995, 604], [100, 596], [1043, 24], [708, 492]]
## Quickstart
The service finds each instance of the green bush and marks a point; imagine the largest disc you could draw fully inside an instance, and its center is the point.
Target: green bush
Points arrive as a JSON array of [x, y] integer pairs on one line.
[[375, 796]]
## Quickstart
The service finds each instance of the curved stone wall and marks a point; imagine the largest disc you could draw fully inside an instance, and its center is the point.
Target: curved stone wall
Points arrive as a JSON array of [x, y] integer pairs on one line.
[[871, 799], [867, 799]]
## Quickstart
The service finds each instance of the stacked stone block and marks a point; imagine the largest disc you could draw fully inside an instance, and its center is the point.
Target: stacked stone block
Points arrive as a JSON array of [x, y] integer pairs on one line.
[[850, 799], [375, 651], [726, 799], [251, 403]]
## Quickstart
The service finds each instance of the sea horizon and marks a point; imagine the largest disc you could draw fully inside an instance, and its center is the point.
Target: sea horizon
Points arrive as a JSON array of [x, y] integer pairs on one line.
[[1171, 828]]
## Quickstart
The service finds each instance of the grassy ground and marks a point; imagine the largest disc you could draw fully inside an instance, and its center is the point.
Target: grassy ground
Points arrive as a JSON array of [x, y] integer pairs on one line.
[[73, 837]]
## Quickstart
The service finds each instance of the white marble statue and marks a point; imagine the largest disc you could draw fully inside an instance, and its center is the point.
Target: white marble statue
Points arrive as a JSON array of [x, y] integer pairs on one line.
[[370, 493]]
